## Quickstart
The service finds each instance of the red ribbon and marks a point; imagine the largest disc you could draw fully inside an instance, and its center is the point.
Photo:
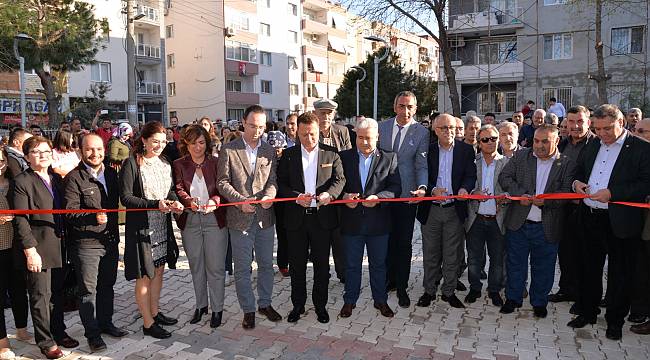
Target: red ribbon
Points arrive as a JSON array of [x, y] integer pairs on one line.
[[554, 196]]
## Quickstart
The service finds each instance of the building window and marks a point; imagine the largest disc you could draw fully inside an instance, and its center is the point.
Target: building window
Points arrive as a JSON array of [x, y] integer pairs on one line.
[[171, 89], [236, 50], [497, 53], [312, 91], [558, 46], [293, 36], [269, 115], [173, 114], [233, 85], [239, 21], [293, 89], [293, 64], [100, 72], [265, 58], [171, 61], [267, 87], [554, 2], [562, 94], [169, 31], [500, 102], [627, 40], [235, 114], [265, 29], [292, 9]]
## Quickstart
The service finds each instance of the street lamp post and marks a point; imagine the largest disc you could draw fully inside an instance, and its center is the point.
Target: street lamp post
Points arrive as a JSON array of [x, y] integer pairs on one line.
[[377, 61], [21, 62], [358, 81]]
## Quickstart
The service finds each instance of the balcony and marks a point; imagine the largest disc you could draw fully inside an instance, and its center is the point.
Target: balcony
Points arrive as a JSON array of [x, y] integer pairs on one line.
[[310, 26], [425, 59], [149, 51], [149, 88], [513, 71], [242, 68], [151, 16], [242, 98], [496, 20]]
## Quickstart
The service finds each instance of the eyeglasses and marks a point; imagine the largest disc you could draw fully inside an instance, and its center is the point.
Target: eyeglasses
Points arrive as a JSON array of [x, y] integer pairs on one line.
[[40, 153], [447, 128], [486, 140]]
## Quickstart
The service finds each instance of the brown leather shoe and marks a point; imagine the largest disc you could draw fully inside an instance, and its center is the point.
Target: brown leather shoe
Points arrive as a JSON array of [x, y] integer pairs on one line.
[[270, 313], [385, 310], [346, 310], [249, 321], [641, 329]]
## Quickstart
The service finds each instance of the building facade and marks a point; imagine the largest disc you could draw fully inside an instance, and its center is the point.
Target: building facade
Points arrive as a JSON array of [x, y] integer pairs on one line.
[[506, 52]]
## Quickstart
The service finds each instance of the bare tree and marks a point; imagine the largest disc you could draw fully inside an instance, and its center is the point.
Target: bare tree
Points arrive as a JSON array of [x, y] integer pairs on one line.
[[415, 14]]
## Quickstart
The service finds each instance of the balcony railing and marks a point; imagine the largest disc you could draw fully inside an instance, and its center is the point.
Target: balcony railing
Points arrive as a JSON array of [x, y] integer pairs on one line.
[[148, 51], [149, 88], [491, 17], [150, 14]]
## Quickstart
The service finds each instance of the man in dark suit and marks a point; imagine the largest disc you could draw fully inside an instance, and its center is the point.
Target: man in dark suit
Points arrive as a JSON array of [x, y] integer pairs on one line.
[[534, 226], [93, 239], [616, 168], [312, 172], [451, 172], [16, 162], [370, 174]]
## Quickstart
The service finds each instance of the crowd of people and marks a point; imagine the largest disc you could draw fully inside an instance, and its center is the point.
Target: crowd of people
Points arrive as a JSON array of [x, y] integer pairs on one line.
[[219, 184]]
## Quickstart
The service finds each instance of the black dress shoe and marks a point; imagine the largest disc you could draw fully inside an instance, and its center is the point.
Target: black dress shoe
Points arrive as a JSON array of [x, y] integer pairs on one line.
[[575, 309], [453, 301], [540, 311], [641, 329], [425, 300], [403, 299], [636, 318], [472, 296], [215, 321], [460, 286], [294, 315], [156, 331], [270, 313], [198, 314], [496, 298], [580, 322], [346, 310], [161, 319], [509, 307], [322, 316], [249, 321], [67, 342], [384, 310], [96, 344], [114, 331], [559, 297], [614, 333]]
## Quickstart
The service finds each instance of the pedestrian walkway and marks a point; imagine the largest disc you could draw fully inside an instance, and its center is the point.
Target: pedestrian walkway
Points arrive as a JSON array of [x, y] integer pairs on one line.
[[437, 332]]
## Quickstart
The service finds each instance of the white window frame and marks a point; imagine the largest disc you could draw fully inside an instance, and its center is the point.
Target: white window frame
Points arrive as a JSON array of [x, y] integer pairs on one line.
[[169, 31], [171, 61], [231, 85], [292, 87], [293, 37], [265, 29], [292, 63], [292, 9], [240, 21], [266, 58], [563, 39], [171, 89], [99, 66], [263, 88], [502, 48], [239, 47], [628, 49]]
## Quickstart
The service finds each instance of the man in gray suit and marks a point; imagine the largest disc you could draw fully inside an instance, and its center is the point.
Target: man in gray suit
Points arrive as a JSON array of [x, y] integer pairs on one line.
[[246, 171], [484, 223], [410, 141], [534, 226]]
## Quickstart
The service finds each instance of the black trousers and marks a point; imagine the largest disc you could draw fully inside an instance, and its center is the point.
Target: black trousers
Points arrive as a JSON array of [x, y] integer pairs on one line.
[[313, 241], [12, 281], [598, 241], [640, 302], [338, 250], [400, 244], [569, 256], [282, 258], [96, 270], [57, 299], [39, 287]]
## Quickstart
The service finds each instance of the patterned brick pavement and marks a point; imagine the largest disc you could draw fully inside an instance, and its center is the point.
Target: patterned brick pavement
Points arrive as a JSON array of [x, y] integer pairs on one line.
[[437, 332]]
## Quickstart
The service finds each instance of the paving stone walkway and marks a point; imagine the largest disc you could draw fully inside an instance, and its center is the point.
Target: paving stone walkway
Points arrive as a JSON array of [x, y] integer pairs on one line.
[[437, 332]]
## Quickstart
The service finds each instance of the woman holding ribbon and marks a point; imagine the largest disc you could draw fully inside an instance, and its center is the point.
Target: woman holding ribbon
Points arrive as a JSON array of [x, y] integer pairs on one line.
[[146, 183], [203, 224]]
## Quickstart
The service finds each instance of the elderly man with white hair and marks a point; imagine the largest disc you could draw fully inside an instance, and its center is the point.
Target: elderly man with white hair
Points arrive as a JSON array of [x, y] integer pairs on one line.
[[371, 174], [633, 116], [508, 136], [528, 131]]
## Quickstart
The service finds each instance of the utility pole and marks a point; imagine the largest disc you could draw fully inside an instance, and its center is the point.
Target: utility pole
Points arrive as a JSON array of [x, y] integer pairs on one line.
[[132, 105]]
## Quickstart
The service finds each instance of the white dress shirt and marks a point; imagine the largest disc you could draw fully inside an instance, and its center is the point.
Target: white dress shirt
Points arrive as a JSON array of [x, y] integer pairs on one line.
[[310, 170], [405, 128], [543, 170], [488, 207], [445, 166], [251, 153], [602, 170], [199, 190]]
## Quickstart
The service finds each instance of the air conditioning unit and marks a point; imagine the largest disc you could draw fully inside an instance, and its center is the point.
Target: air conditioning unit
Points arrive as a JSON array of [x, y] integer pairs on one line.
[[299, 107], [457, 42], [230, 31]]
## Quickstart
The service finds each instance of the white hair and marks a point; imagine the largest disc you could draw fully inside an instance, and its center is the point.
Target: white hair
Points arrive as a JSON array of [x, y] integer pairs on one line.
[[473, 118], [509, 124], [542, 111], [367, 123]]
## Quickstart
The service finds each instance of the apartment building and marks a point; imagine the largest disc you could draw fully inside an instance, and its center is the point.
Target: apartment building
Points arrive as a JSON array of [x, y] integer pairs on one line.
[[506, 52], [111, 61]]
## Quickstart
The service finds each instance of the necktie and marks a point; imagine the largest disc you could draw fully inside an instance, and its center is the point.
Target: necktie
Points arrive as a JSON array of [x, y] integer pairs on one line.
[[397, 138]]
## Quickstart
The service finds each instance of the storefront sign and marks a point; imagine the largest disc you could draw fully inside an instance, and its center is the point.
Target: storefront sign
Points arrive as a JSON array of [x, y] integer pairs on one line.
[[32, 106]]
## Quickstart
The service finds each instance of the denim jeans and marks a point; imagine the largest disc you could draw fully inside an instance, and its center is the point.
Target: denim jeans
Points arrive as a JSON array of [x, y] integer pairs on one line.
[[377, 247]]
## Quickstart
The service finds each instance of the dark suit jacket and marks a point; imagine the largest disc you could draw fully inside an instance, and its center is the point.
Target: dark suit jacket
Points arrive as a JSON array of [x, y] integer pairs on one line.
[[41, 231], [463, 175], [15, 164], [184, 170], [630, 181], [83, 191], [341, 137], [291, 183], [383, 181], [519, 177]]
